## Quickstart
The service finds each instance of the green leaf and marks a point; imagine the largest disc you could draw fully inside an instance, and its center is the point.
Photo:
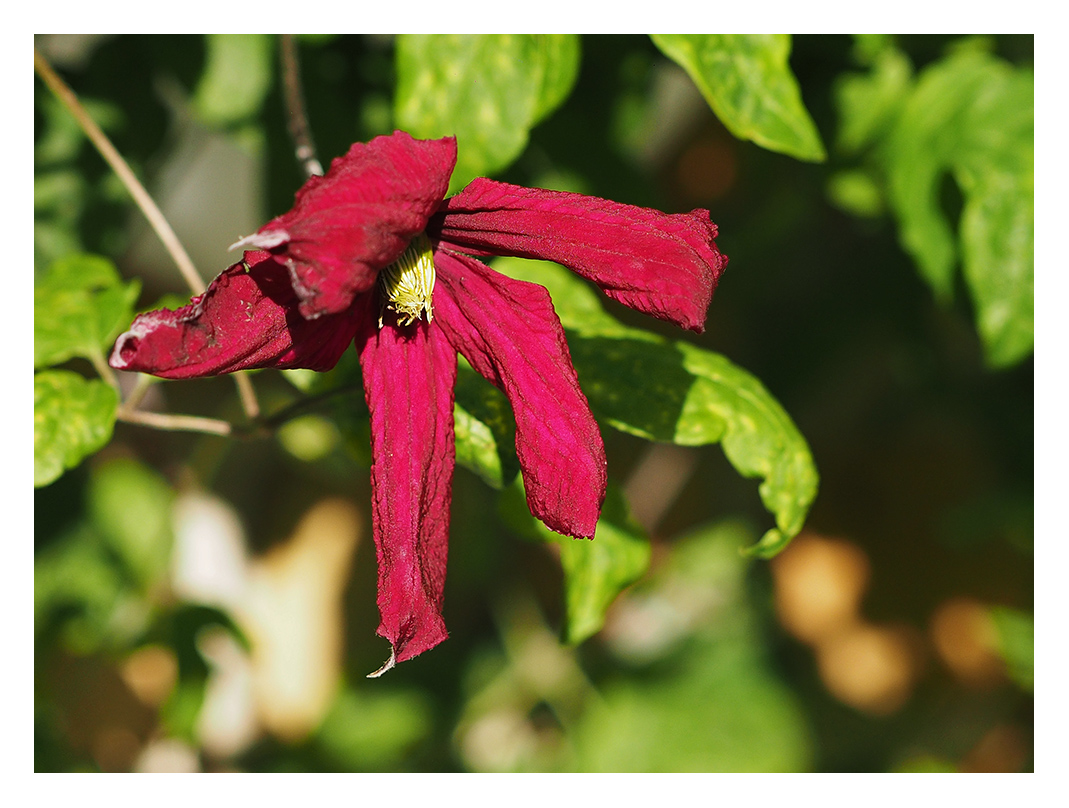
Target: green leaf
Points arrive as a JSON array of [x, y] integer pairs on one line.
[[692, 613], [373, 730], [72, 418], [485, 430], [595, 571], [869, 103], [674, 392], [79, 306], [131, 508], [747, 80], [487, 90], [237, 77], [972, 115], [1016, 630]]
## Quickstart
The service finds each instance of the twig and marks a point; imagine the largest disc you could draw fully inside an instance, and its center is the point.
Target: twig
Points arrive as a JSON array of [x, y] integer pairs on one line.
[[148, 207], [298, 120], [119, 166], [175, 423]]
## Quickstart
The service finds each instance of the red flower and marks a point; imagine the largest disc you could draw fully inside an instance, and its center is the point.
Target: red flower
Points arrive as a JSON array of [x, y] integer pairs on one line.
[[350, 262]]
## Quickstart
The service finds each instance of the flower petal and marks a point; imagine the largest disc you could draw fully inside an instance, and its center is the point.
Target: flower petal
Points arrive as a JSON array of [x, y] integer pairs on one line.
[[508, 331], [347, 225], [245, 319], [409, 376], [665, 265]]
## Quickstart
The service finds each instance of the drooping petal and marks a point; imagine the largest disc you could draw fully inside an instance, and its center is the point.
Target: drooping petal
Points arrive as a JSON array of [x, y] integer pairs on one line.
[[508, 331], [347, 225], [247, 318], [666, 265], [409, 376]]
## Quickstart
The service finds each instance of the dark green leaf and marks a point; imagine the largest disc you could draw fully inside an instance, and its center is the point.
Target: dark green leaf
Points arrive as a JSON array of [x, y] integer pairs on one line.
[[487, 90], [72, 418], [747, 80], [676, 392], [485, 430], [373, 730], [79, 306]]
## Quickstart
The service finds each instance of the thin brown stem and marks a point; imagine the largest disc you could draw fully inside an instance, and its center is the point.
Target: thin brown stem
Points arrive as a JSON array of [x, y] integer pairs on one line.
[[145, 202], [175, 423], [122, 170], [298, 120]]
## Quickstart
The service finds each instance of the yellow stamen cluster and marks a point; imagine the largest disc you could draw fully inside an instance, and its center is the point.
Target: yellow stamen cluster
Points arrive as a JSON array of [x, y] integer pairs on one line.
[[407, 283]]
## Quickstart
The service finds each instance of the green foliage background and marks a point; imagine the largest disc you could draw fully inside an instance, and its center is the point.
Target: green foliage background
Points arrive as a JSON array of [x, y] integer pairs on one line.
[[850, 177]]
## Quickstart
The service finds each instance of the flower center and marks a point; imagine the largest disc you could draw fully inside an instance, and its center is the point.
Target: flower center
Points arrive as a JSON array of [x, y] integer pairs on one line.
[[407, 283]]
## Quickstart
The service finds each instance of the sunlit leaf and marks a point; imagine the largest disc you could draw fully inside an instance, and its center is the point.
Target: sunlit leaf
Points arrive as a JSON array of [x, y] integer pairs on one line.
[[674, 392], [72, 418], [79, 306], [487, 90], [747, 80], [237, 77]]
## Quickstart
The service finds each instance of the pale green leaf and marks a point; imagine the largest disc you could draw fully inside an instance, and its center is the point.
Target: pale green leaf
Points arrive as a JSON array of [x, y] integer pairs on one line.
[[747, 80], [486, 90], [72, 418]]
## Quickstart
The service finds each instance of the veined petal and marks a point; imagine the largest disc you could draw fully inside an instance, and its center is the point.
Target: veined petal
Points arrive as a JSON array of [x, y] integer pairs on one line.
[[247, 318], [508, 331], [409, 376], [665, 265], [347, 225]]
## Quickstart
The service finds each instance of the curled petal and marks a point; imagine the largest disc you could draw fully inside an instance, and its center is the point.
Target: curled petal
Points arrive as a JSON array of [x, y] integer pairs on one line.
[[247, 318], [508, 331], [409, 376], [347, 225], [665, 265]]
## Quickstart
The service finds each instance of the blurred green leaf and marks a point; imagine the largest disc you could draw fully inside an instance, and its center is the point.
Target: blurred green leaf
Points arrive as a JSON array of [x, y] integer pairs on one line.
[[972, 115], [718, 706], [487, 90], [1016, 630], [747, 80], [131, 507], [595, 571], [373, 730], [675, 392], [856, 192], [72, 418], [237, 76], [79, 306], [869, 103], [77, 590]]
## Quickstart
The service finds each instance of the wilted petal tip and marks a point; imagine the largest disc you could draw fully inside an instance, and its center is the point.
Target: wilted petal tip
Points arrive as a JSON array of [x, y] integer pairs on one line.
[[265, 240], [389, 663]]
